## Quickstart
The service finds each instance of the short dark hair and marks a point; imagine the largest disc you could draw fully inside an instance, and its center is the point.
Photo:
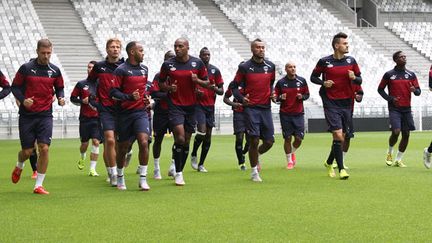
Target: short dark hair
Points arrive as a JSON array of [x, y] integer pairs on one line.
[[92, 62], [130, 45], [396, 55], [44, 43], [256, 40], [204, 49], [337, 38]]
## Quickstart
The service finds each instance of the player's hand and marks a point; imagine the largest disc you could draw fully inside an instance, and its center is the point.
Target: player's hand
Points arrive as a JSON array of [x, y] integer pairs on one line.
[[283, 96], [146, 100], [61, 101], [173, 87], [85, 100], [328, 83], [199, 92], [136, 95], [358, 97], [351, 75], [194, 77], [246, 100], [212, 87], [28, 102], [274, 97], [236, 105], [299, 96], [412, 88], [396, 100]]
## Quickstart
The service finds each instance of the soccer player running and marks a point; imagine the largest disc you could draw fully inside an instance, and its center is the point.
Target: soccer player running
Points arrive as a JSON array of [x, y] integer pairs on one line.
[[102, 75], [4, 84], [33, 86], [291, 91], [239, 125], [428, 151], [160, 121], [205, 111], [257, 76], [180, 76], [130, 88], [400, 83], [89, 126], [339, 72]]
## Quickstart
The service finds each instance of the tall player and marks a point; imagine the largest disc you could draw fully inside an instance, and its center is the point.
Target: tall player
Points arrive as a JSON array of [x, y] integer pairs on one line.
[[33, 86], [428, 151], [205, 111], [185, 74], [257, 76], [130, 88], [102, 73], [339, 72], [400, 83], [89, 127], [291, 91]]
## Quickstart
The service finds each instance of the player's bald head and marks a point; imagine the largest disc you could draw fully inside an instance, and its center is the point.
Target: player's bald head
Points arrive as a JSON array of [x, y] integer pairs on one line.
[[289, 63], [183, 41]]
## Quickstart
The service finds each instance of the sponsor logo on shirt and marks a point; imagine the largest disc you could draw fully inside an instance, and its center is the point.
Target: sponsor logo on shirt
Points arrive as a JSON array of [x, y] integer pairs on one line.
[[393, 77], [33, 71], [86, 87], [329, 65]]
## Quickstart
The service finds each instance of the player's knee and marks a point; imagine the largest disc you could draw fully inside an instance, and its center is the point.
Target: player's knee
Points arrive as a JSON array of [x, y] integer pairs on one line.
[[95, 149], [43, 148]]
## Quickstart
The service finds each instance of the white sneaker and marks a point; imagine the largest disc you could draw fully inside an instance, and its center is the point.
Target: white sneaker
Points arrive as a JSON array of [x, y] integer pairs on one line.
[[426, 158], [113, 180], [255, 177], [157, 175], [194, 162], [121, 184], [201, 168], [179, 179], [143, 185]]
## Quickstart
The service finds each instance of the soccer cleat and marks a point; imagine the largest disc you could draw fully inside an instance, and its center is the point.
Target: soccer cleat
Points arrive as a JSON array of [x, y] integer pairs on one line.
[[389, 159], [80, 164], [179, 181], [113, 180], [399, 163], [40, 190], [330, 170], [34, 175], [290, 165], [255, 177], [121, 183], [293, 158], [426, 158], [242, 167], [143, 185], [201, 168], [194, 162], [157, 175], [16, 174], [93, 173], [343, 175]]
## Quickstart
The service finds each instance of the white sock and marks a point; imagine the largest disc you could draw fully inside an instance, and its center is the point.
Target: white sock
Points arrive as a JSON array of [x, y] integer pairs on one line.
[[120, 171], [156, 164], [39, 180], [113, 170], [390, 150], [343, 155], [20, 165], [399, 156], [83, 156], [289, 158], [143, 170], [93, 165], [255, 170], [293, 149], [179, 173], [108, 169]]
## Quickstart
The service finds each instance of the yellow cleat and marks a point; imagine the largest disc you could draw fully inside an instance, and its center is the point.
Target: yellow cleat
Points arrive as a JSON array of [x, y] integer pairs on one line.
[[330, 170], [343, 175], [389, 159]]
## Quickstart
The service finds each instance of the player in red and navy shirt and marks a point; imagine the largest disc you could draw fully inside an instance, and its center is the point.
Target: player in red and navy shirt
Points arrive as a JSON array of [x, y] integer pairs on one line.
[[102, 74], [400, 83], [130, 88], [239, 125], [428, 150], [89, 126], [204, 112], [257, 76], [338, 73], [291, 91], [4, 84], [180, 77], [33, 86]]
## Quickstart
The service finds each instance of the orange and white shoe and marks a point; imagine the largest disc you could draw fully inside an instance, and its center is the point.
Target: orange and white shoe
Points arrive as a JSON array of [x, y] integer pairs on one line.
[[290, 165], [40, 190], [16, 175], [34, 175], [293, 158]]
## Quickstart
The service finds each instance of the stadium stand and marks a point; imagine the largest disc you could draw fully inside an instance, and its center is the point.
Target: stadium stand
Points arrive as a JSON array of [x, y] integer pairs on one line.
[[418, 34], [404, 6]]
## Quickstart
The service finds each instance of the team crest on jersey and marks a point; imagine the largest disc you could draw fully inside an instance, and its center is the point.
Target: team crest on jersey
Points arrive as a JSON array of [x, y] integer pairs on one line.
[[348, 60], [393, 77], [194, 64], [406, 76], [298, 84], [86, 87], [213, 71], [329, 65], [265, 69], [50, 73]]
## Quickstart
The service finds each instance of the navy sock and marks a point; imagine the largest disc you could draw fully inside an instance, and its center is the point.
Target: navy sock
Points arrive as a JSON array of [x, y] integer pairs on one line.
[[197, 143], [337, 152], [185, 156], [204, 151], [33, 160], [239, 152], [178, 157]]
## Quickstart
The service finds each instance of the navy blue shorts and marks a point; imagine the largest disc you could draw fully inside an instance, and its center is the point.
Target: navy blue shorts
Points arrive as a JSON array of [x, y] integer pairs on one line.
[[205, 115], [292, 125], [259, 122], [182, 115], [239, 122], [130, 124], [401, 120], [35, 128], [90, 128], [108, 120], [338, 118], [160, 124]]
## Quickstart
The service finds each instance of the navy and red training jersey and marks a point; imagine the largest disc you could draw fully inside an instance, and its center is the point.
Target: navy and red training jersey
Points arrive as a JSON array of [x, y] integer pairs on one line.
[[83, 89], [179, 73], [129, 78], [208, 97], [398, 83], [330, 68], [4, 84], [291, 87], [160, 97], [39, 82], [258, 79], [229, 93], [102, 73]]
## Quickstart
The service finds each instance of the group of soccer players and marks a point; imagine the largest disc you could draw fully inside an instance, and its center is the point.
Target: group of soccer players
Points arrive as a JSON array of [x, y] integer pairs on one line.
[[115, 102]]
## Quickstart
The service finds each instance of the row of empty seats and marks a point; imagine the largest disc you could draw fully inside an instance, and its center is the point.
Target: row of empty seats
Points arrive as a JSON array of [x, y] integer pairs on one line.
[[404, 6], [418, 34]]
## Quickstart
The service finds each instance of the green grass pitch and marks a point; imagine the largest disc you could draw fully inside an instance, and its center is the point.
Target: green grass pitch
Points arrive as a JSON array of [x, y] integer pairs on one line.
[[378, 203]]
